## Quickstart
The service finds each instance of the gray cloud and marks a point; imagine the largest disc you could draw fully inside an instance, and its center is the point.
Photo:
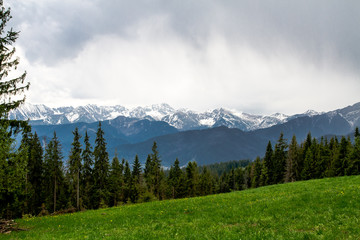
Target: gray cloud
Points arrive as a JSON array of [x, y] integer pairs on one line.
[[58, 29], [243, 54]]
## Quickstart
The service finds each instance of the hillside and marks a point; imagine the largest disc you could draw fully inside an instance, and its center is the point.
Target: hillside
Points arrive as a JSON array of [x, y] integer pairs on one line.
[[316, 209], [205, 146]]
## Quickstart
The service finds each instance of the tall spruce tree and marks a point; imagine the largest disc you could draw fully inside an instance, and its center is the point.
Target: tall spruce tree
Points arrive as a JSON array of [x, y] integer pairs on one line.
[[101, 170], [35, 175], [309, 165], [256, 173], [353, 167], [280, 159], [75, 167], [267, 172], [11, 96], [192, 179], [54, 173], [341, 163], [357, 132], [127, 182], [156, 170], [148, 174], [116, 181], [292, 160], [334, 152], [176, 180], [87, 180], [206, 183], [136, 178]]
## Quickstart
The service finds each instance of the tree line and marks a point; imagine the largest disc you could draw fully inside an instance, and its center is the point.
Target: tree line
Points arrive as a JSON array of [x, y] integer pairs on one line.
[[36, 180], [311, 159]]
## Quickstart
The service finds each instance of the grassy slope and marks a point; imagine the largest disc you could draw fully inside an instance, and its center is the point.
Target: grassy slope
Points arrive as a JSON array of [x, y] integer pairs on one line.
[[316, 209]]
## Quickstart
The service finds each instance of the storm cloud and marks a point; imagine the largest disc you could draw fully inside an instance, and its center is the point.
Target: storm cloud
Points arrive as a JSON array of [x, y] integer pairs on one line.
[[255, 56]]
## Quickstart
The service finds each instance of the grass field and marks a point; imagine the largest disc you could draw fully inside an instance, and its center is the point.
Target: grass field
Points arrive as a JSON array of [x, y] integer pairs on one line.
[[316, 209]]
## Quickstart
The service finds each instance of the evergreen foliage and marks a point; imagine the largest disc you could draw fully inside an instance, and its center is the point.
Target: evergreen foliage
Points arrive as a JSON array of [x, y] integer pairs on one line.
[[292, 160], [101, 170], [9, 87], [87, 179], [116, 182], [54, 175], [75, 168], [35, 175], [13, 162], [268, 166]]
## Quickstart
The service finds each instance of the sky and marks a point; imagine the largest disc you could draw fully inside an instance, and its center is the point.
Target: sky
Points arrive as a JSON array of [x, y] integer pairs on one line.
[[253, 56]]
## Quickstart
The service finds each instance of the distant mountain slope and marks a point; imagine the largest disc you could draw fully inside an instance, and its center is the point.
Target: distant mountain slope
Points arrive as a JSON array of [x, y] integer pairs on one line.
[[318, 125], [226, 144], [203, 146], [121, 130]]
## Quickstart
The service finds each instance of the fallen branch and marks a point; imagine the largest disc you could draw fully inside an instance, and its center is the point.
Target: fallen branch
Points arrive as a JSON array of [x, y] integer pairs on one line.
[[7, 226]]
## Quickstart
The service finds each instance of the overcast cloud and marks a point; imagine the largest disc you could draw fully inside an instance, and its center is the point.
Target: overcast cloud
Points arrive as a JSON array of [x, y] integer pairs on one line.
[[253, 56]]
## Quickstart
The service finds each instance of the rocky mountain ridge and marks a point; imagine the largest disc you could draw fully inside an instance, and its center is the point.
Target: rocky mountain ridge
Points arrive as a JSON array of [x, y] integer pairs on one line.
[[181, 119]]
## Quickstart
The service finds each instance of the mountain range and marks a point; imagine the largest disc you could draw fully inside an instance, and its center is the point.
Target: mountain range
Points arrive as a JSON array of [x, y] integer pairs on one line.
[[208, 137], [181, 119]]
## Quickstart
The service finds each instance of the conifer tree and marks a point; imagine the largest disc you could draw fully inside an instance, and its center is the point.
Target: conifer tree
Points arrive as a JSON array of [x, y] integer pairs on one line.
[[75, 166], [309, 165], [9, 87], [176, 180], [292, 160], [192, 179], [156, 171], [148, 175], [12, 175], [5, 153], [136, 172], [136, 180], [154, 177], [87, 181], [127, 182], [354, 156], [224, 183], [256, 173], [334, 152], [247, 177], [26, 146], [280, 159], [341, 162], [206, 183], [116, 181], [35, 175], [239, 178], [322, 158], [101, 170], [54, 172], [357, 132], [12, 162], [267, 172]]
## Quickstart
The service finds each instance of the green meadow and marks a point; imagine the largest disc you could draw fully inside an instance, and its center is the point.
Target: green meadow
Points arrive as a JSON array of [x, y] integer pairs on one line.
[[315, 209]]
